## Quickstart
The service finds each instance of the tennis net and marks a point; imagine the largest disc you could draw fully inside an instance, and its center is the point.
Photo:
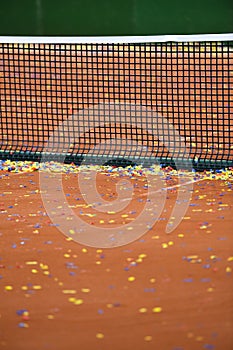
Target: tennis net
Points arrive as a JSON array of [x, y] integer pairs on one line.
[[117, 100]]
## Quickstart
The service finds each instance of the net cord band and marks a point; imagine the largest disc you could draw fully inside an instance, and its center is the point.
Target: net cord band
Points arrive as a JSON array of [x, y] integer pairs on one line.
[[115, 39]]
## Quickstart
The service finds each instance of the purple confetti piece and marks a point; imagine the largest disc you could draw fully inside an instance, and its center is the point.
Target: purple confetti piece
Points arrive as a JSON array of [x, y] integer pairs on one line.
[[205, 280]]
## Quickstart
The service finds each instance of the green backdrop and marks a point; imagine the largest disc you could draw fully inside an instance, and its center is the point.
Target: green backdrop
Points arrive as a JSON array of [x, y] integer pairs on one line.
[[115, 17]]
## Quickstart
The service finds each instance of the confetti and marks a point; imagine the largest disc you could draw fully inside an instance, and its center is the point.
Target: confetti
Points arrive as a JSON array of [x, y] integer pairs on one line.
[[8, 288], [143, 310], [157, 309], [99, 335], [131, 279]]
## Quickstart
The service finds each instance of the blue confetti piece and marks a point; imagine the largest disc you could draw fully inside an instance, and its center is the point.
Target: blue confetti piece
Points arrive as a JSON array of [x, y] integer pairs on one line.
[[208, 346], [22, 325], [71, 265], [206, 266], [100, 312], [21, 312], [188, 280], [14, 245], [37, 225]]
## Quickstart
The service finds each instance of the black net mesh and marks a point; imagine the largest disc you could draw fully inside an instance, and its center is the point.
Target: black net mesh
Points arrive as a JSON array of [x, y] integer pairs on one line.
[[130, 102]]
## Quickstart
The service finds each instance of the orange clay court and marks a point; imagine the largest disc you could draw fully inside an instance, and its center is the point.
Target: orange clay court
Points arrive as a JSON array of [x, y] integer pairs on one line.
[[161, 291]]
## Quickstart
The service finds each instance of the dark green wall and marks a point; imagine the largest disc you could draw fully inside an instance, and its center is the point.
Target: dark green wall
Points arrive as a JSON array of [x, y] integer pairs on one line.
[[115, 17]]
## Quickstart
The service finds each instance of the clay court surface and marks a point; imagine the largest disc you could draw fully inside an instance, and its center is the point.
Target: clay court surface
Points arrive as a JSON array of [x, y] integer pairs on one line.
[[163, 291]]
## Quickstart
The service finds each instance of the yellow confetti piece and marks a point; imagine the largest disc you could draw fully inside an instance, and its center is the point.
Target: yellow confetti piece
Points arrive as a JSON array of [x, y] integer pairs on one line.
[[71, 232], [90, 215], [78, 302], [50, 317], [101, 221], [85, 290], [98, 262], [192, 256], [199, 338], [34, 271], [213, 257], [152, 280], [111, 221], [44, 267], [99, 335], [24, 288], [66, 255], [71, 299], [230, 258], [157, 309], [69, 239], [143, 310], [8, 288], [129, 228], [170, 243], [210, 289], [84, 250], [37, 287], [31, 263], [131, 278], [228, 269], [148, 338], [142, 256], [124, 215], [109, 306], [69, 291], [111, 212], [164, 245]]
